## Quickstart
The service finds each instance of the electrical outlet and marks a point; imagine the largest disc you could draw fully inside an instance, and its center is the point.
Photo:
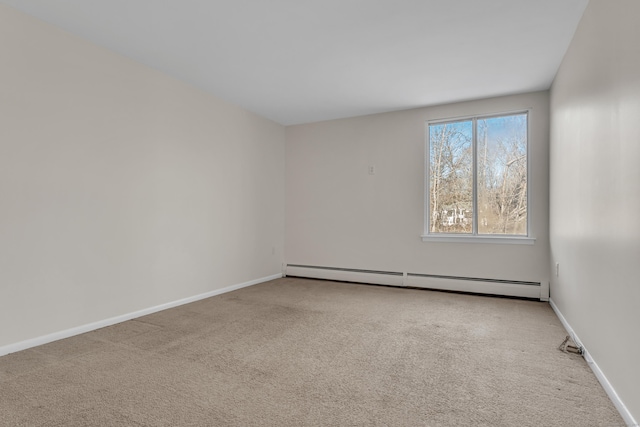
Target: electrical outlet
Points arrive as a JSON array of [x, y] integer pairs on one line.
[[372, 170], [557, 269]]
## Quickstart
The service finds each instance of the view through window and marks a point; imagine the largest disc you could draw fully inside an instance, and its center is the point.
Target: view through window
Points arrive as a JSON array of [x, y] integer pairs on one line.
[[477, 176]]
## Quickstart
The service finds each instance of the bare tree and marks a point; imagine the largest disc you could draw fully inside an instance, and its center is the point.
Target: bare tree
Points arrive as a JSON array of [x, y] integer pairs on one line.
[[501, 176], [451, 177]]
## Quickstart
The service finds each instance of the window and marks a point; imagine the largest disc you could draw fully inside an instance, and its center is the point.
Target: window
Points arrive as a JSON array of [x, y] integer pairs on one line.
[[476, 177]]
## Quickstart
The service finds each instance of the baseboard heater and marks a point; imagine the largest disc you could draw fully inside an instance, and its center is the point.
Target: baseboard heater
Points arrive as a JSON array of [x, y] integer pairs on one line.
[[390, 278], [514, 288]]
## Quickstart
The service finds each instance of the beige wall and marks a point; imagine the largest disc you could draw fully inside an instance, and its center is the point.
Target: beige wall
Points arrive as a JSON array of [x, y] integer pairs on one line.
[[595, 190], [340, 216], [121, 188]]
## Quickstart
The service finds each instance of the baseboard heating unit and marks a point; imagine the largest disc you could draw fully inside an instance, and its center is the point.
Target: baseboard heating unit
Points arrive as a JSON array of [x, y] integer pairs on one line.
[[515, 288]]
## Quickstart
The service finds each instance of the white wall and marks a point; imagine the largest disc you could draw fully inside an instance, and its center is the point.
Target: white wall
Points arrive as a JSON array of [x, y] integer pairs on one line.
[[595, 190], [122, 188], [340, 216]]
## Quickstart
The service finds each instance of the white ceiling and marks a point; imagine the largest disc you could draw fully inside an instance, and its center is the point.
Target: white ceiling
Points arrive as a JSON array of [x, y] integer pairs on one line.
[[299, 61]]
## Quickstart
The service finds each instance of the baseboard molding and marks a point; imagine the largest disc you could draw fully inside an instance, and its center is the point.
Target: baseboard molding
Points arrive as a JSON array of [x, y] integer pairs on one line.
[[608, 388], [34, 342]]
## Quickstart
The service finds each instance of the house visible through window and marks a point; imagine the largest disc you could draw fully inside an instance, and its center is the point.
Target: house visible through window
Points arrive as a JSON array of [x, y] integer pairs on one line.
[[477, 177]]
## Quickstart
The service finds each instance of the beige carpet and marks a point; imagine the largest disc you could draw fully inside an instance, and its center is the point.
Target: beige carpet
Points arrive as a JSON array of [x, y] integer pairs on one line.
[[295, 352]]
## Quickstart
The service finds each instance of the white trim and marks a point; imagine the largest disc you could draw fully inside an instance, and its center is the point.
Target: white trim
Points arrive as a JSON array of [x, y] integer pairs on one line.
[[33, 342], [480, 116], [474, 173], [452, 238], [606, 385], [544, 290]]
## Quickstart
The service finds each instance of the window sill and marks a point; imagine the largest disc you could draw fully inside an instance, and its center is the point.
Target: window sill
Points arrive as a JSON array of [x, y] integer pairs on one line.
[[509, 240]]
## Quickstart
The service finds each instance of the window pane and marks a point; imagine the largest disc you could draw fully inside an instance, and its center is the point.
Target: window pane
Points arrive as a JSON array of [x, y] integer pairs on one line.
[[502, 175], [451, 177]]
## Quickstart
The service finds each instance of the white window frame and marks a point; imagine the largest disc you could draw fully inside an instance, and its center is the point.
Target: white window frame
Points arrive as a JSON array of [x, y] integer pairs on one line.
[[475, 237]]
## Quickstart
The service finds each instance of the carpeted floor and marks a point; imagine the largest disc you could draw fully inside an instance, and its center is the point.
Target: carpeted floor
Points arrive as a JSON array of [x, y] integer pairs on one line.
[[296, 352]]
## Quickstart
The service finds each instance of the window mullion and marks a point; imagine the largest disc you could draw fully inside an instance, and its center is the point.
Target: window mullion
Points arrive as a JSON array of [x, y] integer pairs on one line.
[[474, 195]]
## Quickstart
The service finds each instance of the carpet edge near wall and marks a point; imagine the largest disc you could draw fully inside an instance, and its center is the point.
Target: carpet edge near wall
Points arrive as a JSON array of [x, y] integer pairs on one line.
[[602, 379], [77, 330]]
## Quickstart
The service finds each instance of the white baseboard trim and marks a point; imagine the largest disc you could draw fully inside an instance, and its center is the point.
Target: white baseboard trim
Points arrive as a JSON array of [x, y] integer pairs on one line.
[[608, 388], [45, 339]]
